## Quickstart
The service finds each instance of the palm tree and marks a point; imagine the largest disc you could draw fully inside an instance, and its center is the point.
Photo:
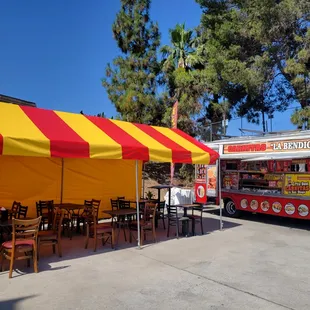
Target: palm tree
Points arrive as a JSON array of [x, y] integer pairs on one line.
[[181, 54]]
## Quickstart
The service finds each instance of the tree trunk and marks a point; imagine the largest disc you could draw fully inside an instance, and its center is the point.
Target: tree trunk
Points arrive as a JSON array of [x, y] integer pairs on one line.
[[264, 124]]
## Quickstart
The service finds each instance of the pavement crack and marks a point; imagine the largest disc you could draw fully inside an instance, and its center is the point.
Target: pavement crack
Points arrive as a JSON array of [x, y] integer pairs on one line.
[[219, 283]]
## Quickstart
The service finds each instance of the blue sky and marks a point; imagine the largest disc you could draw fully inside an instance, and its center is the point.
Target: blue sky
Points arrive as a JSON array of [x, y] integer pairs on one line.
[[55, 52]]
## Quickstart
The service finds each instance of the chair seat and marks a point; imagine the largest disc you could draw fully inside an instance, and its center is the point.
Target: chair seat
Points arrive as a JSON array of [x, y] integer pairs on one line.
[[103, 228], [194, 217], [18, 244], [142, 223], [47, 235]]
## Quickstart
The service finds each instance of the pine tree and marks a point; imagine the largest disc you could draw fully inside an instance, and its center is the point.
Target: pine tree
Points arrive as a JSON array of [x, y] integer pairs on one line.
[[131, 82]]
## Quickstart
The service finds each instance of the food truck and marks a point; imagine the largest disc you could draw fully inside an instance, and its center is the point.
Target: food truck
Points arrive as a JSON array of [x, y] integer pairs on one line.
[[268, 174]]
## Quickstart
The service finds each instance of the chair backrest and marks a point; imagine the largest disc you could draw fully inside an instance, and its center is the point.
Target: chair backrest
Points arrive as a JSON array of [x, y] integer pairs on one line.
[[149, 212], [87, 203], [15, 208], [172, 211], [95, 203], [22, 211], [57, 220], [44, 206], [25, 229], [121, 197], [124, 204], [114, 204], [162, 205]]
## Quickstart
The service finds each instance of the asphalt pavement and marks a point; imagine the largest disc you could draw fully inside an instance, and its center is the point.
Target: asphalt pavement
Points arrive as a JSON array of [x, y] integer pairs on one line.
[[256, 262]]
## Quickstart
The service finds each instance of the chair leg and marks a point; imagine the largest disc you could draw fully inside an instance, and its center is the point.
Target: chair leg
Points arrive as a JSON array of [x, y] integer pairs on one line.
[[95, 240], [201, 223], [54, 248], [59, 248], [35, 258], [168, 230], [141, 237], [1, 260], [164, 222], [87, 236], [112, 239], [124, 233], [12, 257]]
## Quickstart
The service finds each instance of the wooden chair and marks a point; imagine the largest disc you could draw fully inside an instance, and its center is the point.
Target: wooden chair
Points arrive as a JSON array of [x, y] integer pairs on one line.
[[24, 240], [96, 204], [103, 231], [13, 213], [52, 237], [88, 209], [161, 212], [147, 223], [45, 209], [22, 212]]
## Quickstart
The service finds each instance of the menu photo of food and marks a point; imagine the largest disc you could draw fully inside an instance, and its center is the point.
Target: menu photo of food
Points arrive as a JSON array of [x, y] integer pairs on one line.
[[303, 210], [277, 207], [254, 204], [265, 205], [289, 209], [244, 203], [200, 191]]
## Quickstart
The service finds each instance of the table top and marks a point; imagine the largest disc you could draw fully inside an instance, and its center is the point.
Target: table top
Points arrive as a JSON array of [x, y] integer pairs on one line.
[[161, 186], [69, 206], [188, 206], [128, 211], [135, 201]]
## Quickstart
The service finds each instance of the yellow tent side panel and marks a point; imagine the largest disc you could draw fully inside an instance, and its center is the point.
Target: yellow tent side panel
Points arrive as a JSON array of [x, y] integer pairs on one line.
[[29, 179], [99, 179]]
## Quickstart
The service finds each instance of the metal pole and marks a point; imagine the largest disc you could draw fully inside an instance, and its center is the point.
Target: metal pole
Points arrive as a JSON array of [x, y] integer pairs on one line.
[[62, 180], [218, 163], [138, 205]]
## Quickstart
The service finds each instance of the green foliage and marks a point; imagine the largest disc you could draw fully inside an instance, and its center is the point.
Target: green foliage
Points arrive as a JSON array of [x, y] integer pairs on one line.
[[131, 82], [301, 118]]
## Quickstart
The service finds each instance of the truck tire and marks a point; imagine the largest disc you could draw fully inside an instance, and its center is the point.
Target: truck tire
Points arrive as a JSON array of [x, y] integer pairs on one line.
[[230, 208]]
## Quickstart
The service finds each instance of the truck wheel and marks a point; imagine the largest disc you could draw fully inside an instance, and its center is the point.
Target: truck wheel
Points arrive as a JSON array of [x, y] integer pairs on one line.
[[230, 209]]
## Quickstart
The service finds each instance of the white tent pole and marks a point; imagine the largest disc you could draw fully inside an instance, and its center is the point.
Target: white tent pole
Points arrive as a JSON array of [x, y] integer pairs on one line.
[[138, 205], [220, 191]]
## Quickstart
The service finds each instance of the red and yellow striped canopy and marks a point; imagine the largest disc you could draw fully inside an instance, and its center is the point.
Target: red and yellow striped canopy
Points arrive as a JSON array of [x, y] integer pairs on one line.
[[27, 131]]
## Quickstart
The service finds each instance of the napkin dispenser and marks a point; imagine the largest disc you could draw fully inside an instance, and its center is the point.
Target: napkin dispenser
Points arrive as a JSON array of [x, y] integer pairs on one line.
[[4, 214]]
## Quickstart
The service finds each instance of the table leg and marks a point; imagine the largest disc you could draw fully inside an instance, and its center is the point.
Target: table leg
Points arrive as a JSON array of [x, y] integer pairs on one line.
[[158, 204], [185, 224]]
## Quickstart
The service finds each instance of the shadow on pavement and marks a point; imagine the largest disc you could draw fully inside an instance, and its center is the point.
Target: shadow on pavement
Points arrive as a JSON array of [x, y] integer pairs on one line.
[[12, 304], [74, 249]]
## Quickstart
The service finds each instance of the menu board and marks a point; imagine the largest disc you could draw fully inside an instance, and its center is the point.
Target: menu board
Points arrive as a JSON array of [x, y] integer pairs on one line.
[[201, 175], [211, 181], [274, 180], [231, 180], [297, 184]]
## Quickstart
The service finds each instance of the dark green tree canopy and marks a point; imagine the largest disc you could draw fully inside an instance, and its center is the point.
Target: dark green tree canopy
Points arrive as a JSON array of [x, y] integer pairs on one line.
[[131, 82]]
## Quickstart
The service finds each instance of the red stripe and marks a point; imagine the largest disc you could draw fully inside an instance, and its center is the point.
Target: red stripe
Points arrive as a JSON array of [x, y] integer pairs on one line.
[[179, 153], [131, 148], [1, 144], [64, 141], [213, 155]]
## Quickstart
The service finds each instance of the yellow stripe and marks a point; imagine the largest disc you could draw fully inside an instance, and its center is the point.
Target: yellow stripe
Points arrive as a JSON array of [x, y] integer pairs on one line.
[[157, 151], [100, 144], [20, 135], [199, 156]]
